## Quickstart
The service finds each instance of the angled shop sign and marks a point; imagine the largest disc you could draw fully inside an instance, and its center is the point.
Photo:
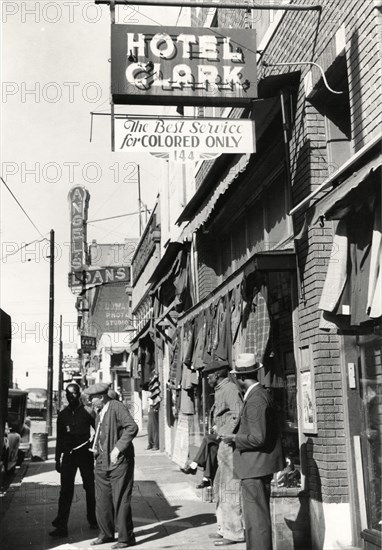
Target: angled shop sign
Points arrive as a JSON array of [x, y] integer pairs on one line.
[[182, 65], [99, 276]]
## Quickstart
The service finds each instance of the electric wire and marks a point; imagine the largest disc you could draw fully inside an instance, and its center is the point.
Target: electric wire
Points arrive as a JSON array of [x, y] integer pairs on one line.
[[27, 215]]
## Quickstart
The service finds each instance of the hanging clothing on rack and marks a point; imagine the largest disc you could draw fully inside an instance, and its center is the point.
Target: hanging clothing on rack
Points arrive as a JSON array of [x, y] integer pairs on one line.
[[258, 325]]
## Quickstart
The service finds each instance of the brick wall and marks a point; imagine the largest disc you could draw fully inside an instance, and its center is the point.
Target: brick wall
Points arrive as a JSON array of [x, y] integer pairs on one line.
[[309, 36]]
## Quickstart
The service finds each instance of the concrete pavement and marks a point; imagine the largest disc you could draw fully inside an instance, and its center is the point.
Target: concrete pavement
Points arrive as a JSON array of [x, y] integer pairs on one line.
[[169, 512]]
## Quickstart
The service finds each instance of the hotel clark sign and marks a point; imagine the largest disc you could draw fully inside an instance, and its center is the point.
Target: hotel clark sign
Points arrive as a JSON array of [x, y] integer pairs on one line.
[[185, 140], [78, 207], [183, 65]]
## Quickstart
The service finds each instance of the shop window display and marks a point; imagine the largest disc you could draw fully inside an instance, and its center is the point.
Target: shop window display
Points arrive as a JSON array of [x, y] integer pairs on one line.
[[371, 435]]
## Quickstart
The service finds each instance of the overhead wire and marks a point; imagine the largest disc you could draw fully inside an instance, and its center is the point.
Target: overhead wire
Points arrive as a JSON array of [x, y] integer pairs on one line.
[[25, 212], [23, 246]]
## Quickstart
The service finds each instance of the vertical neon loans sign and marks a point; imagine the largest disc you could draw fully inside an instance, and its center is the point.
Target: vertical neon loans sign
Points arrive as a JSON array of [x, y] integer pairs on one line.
[[188, 66], [78, 205]]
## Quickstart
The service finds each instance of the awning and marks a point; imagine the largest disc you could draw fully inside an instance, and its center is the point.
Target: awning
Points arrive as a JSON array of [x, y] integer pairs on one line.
[[264, 109], [147, 327], [205, 211], [162, 270], [343, 171], [333, 205], [114, 342]]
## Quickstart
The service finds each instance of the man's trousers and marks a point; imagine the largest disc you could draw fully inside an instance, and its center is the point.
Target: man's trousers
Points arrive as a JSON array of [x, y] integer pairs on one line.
[[113, 499], [256, 507], [83, 460], [206, 456], [229, 516]]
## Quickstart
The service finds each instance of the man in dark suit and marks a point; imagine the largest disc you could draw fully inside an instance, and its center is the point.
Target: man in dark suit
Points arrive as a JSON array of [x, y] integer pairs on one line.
[[72, 453], [114, 468], [257, 452]]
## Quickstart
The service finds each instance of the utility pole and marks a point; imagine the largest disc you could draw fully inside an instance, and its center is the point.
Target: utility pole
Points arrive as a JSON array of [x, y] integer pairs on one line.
[[60, 373], [50, 343], [139, 200]]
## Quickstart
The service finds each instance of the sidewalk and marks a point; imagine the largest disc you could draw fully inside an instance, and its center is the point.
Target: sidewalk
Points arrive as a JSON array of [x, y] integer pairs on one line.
[[168, 511]]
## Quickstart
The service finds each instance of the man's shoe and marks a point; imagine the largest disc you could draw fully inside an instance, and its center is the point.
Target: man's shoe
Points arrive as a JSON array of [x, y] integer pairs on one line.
[[101, 540], [149, 447], [123, 544], [226, 542], [155, 448], [188, 470], [205, 483], [59, 533], [215, 536]]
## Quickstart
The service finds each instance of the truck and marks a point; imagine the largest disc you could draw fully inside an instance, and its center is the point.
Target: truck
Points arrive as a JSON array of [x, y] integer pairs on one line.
[[37, 403]]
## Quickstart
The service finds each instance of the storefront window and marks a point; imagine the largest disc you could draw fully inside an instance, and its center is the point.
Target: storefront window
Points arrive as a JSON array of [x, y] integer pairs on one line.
[[371, 393]]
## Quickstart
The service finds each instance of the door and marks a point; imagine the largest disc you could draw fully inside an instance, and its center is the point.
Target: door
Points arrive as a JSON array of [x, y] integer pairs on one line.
[[364, 389]]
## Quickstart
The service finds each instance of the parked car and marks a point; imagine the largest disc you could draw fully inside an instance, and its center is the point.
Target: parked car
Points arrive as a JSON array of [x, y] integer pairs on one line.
[[19, 423], [11, 447]]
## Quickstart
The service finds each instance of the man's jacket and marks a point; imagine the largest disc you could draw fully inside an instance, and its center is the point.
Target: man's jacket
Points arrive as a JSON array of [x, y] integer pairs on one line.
[[118, 429], [258, 449]]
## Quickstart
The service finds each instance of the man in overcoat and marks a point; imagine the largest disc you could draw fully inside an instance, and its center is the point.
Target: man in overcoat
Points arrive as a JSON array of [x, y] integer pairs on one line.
[[257, 452], [114, 467], [226, 410]]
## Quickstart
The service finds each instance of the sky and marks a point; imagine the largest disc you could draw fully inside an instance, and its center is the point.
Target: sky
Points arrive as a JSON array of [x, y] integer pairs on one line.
[[55, 72]]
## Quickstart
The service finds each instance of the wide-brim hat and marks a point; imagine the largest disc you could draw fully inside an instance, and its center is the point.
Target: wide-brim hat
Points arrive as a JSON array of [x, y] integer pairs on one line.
[[215, 365], [246, 363], [97, 389]]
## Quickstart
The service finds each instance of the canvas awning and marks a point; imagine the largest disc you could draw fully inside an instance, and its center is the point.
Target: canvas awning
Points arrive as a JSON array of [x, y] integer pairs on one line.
[[336, 201]]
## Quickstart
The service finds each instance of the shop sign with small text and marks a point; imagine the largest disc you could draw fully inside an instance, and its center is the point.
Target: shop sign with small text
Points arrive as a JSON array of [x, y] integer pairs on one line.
[[88, 343], [182, 65], [100, 276], [185, 140]]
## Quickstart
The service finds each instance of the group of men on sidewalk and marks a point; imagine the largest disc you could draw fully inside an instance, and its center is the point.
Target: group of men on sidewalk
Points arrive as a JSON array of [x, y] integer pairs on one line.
[[106, 464], [248, 454]]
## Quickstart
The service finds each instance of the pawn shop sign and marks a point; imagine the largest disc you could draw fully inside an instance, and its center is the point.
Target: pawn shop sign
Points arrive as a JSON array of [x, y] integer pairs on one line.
[[183, 65]]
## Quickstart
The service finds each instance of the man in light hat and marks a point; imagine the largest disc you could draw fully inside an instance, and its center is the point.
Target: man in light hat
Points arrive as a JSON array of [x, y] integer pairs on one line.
[[226, 410], [257, 452], [114, 468]]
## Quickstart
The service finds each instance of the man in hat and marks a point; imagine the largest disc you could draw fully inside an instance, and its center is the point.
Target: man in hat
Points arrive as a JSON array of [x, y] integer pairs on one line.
[[114, 468], [72, 453], [226, 410], [257, 452]]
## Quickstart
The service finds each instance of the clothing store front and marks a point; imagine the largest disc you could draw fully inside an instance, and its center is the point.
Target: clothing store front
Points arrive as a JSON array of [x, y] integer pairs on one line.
[[351, 304], [250, 312]]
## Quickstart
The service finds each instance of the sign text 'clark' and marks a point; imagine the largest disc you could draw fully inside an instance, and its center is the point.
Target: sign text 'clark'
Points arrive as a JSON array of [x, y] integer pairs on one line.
[[183, 65]]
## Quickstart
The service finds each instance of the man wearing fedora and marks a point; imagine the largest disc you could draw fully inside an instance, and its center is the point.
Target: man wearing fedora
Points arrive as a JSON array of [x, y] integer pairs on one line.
[[226, 410], [114, 467], [257, 452]]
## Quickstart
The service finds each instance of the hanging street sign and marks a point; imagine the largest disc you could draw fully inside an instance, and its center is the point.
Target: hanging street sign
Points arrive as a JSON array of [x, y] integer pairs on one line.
[[88, 343], [99, 276], [182, 65], [78, 198], [185, 140]]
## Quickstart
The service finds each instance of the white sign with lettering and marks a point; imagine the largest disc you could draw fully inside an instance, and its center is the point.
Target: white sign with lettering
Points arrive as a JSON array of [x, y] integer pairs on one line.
[[185, 140]]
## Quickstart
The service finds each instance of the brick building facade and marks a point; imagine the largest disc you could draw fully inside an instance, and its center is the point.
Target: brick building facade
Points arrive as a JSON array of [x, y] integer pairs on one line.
[[274, 218]]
